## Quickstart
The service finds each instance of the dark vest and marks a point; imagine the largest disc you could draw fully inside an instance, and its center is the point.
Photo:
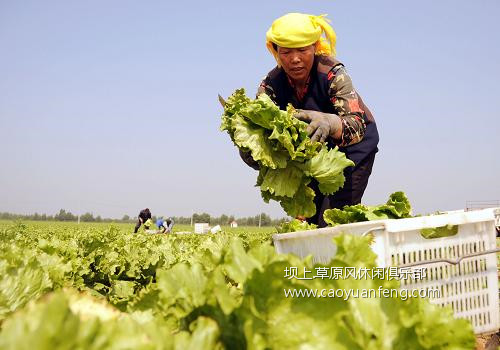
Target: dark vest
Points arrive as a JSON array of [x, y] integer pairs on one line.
[[318, 99]]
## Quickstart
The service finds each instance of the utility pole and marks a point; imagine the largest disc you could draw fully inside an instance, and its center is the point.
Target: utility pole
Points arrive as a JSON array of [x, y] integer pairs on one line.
[[260, 219], [79, 210]]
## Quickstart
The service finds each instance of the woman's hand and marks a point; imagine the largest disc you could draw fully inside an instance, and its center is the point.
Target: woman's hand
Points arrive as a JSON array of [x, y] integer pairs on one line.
[[321, 125]]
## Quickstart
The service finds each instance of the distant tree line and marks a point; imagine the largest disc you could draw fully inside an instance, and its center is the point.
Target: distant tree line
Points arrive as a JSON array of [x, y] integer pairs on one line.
[[62, 215], [223, 220]]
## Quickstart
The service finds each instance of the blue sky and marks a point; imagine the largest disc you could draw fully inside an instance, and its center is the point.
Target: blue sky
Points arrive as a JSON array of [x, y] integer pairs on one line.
[[111, 106]]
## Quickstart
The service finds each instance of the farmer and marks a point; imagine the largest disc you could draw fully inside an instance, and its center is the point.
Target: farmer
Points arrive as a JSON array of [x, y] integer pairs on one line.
[[144, 216], [165, 225], [309, 77]]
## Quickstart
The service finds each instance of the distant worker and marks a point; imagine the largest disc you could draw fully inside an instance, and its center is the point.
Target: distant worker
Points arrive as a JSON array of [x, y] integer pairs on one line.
[[165, 225], [144, 216]]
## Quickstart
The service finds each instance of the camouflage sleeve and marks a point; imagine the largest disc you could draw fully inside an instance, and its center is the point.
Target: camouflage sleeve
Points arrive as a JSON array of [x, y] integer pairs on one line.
[[265, 88], [346, 103]]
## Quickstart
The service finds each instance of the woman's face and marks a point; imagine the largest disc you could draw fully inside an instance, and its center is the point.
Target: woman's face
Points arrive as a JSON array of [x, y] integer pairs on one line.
[[297, 62]]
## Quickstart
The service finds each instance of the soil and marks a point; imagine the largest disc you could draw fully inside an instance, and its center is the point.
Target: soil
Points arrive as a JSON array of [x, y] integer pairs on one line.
[[488, 341]]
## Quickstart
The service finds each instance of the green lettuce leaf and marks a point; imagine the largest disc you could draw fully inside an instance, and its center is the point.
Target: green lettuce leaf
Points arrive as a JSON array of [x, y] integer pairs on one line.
[[251, 138], [327, 167], [261, 112], [294, 226], [437, 232], [302, 203], [281, 182]]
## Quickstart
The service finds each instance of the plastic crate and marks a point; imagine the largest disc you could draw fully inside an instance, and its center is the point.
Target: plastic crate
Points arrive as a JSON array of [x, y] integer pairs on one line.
[[462, 267], [201, 228]]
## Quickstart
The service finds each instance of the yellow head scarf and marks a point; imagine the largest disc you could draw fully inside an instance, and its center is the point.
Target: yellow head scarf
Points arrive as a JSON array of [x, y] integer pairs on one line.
[[295, 30]]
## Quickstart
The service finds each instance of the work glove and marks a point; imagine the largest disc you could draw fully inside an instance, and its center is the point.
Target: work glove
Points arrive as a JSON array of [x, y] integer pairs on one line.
[[321, 125], [247, 158]]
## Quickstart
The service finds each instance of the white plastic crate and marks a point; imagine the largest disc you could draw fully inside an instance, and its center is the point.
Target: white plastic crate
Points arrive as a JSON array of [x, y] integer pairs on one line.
[[470, 286], [201, 227]]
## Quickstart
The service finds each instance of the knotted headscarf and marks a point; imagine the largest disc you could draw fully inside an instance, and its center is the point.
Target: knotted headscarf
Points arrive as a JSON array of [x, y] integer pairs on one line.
[[295, 30]]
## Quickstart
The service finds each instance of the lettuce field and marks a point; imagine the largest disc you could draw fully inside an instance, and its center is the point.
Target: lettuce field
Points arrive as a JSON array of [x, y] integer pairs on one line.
[[98, 286]]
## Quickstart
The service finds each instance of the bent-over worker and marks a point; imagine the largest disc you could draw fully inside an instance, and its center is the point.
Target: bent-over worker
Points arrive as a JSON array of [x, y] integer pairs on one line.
[[165, 225], [309, 77], [143, 217]]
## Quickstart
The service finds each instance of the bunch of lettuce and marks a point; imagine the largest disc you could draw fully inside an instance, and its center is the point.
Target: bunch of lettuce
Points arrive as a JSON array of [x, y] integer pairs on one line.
[[287, 158], [397, 207]]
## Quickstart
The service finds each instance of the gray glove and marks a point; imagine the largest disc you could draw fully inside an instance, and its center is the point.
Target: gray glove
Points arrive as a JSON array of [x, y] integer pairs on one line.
[[321, 125], [247, 158]]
